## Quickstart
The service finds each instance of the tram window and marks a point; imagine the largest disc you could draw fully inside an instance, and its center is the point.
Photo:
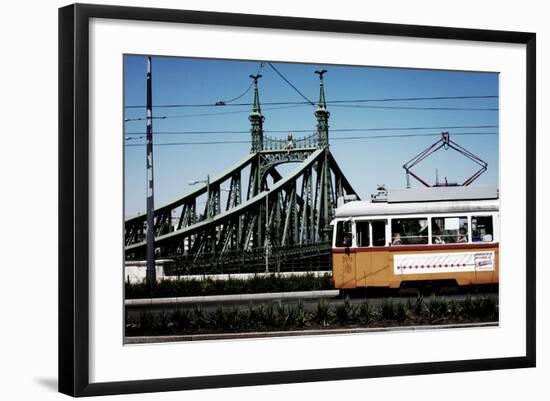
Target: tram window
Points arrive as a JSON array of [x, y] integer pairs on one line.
[[409, 231], [343, 234], [362, 230], [449, 230], [378, 232], [482, 229]]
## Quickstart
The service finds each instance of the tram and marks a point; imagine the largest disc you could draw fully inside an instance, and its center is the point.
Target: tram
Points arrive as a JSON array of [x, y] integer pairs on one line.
[[417, 236]]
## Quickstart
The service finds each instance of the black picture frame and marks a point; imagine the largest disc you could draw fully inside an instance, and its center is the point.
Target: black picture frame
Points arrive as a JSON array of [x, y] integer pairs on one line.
[[74, 194]]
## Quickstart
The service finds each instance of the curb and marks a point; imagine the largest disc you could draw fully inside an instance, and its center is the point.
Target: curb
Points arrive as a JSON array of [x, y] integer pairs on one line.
[[268, 296], [291, 333]]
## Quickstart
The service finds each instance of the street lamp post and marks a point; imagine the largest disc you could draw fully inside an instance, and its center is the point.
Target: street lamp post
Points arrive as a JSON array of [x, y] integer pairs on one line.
[[208, 202]]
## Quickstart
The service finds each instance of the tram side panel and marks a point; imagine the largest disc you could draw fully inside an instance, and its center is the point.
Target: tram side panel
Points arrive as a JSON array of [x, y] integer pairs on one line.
[[391, 266], [344, 273]]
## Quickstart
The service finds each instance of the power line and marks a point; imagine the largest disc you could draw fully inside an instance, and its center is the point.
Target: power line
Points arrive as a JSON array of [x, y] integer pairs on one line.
[[227, 102], [415, 108], [339, 138], [395, 99], [219, 114], [313, 130], [334, 105], [410, 135], [402, 99], [288, 82]]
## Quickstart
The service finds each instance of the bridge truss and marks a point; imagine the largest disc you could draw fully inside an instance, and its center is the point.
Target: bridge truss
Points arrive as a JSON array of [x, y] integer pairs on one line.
[[286, 217]]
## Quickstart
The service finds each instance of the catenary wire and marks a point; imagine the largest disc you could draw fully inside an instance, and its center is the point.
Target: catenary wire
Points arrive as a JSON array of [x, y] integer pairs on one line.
[[395, 99], [340, 138], [312, 130]]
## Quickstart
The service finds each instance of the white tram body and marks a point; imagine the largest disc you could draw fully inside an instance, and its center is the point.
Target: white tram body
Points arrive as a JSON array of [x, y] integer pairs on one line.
[[418, 235]]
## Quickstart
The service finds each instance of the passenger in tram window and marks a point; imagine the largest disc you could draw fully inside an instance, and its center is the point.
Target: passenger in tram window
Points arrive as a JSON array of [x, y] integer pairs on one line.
[[397, 239], [436, 233], [347, 240], [482, 229], [462, 236]]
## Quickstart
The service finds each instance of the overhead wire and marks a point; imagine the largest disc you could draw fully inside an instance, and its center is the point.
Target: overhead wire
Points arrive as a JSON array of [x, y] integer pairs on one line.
[[290, 83], [312, 130], [415, 108], [336, 138], [219, 113], [309, 102], [228, 102]]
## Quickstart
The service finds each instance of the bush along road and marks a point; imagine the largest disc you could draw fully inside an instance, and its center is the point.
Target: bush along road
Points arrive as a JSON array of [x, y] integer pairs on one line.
[[278, 316]]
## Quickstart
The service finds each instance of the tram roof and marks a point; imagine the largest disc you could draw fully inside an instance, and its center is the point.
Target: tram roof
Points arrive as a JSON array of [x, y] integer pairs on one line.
[[438, 194], [426, 201]]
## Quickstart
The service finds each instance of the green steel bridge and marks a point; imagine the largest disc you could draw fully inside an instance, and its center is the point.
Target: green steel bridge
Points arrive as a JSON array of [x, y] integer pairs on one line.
[[282, 221]]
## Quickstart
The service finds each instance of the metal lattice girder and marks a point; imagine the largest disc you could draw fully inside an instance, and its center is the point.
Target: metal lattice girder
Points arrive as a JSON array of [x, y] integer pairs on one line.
[[294, 218], [186, 205]]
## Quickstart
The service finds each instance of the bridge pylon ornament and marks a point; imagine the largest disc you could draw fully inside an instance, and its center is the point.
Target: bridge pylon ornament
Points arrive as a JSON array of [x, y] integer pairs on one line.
[[256, 119]]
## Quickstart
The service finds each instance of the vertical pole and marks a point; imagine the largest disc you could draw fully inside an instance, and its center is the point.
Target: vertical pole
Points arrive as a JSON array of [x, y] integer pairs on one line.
[[266, 233], [151, 274]]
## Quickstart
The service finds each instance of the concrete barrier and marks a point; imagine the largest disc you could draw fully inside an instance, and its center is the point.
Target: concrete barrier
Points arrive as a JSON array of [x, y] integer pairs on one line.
[[268, 296]]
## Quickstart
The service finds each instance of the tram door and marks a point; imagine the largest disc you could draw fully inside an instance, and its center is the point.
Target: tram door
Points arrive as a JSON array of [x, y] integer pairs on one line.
[[379, 266], [371, 258], [344, 259]]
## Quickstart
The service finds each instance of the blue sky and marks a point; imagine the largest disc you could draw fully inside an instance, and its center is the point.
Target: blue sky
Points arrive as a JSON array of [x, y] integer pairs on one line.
[[365, 162]]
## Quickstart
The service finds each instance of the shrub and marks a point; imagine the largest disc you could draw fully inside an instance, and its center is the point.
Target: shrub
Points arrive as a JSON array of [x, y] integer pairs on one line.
[[270, 283], [387, 309], [488, 307], [301, 315], [437, 308], [322, 312], [146, 321], [257, 316], [345, 312], [270, 317], [454, 309], [418, 305], [218, 318], [199, 318], [469, 307], [163, 321], [292, 315], [366, 312], [246, 318], [181, 319], [400, 312], [233, 319]]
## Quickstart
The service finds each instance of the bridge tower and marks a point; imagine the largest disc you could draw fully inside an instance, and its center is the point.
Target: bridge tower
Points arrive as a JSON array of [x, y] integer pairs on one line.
[[256, 119], [324, 181]]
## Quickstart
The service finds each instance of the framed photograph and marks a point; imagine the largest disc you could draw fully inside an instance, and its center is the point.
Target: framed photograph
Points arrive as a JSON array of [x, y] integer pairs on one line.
[[251, 199]]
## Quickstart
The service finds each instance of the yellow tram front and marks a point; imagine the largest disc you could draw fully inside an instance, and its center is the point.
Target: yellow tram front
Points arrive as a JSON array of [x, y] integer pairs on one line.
[[436, 234]]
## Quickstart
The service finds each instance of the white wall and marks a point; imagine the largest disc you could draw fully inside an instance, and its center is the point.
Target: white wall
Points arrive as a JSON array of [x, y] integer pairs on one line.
[[28, 317]]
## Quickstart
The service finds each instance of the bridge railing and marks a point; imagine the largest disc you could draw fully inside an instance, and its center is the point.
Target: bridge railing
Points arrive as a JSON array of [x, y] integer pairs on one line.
[[297, 258], [309, 141]]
